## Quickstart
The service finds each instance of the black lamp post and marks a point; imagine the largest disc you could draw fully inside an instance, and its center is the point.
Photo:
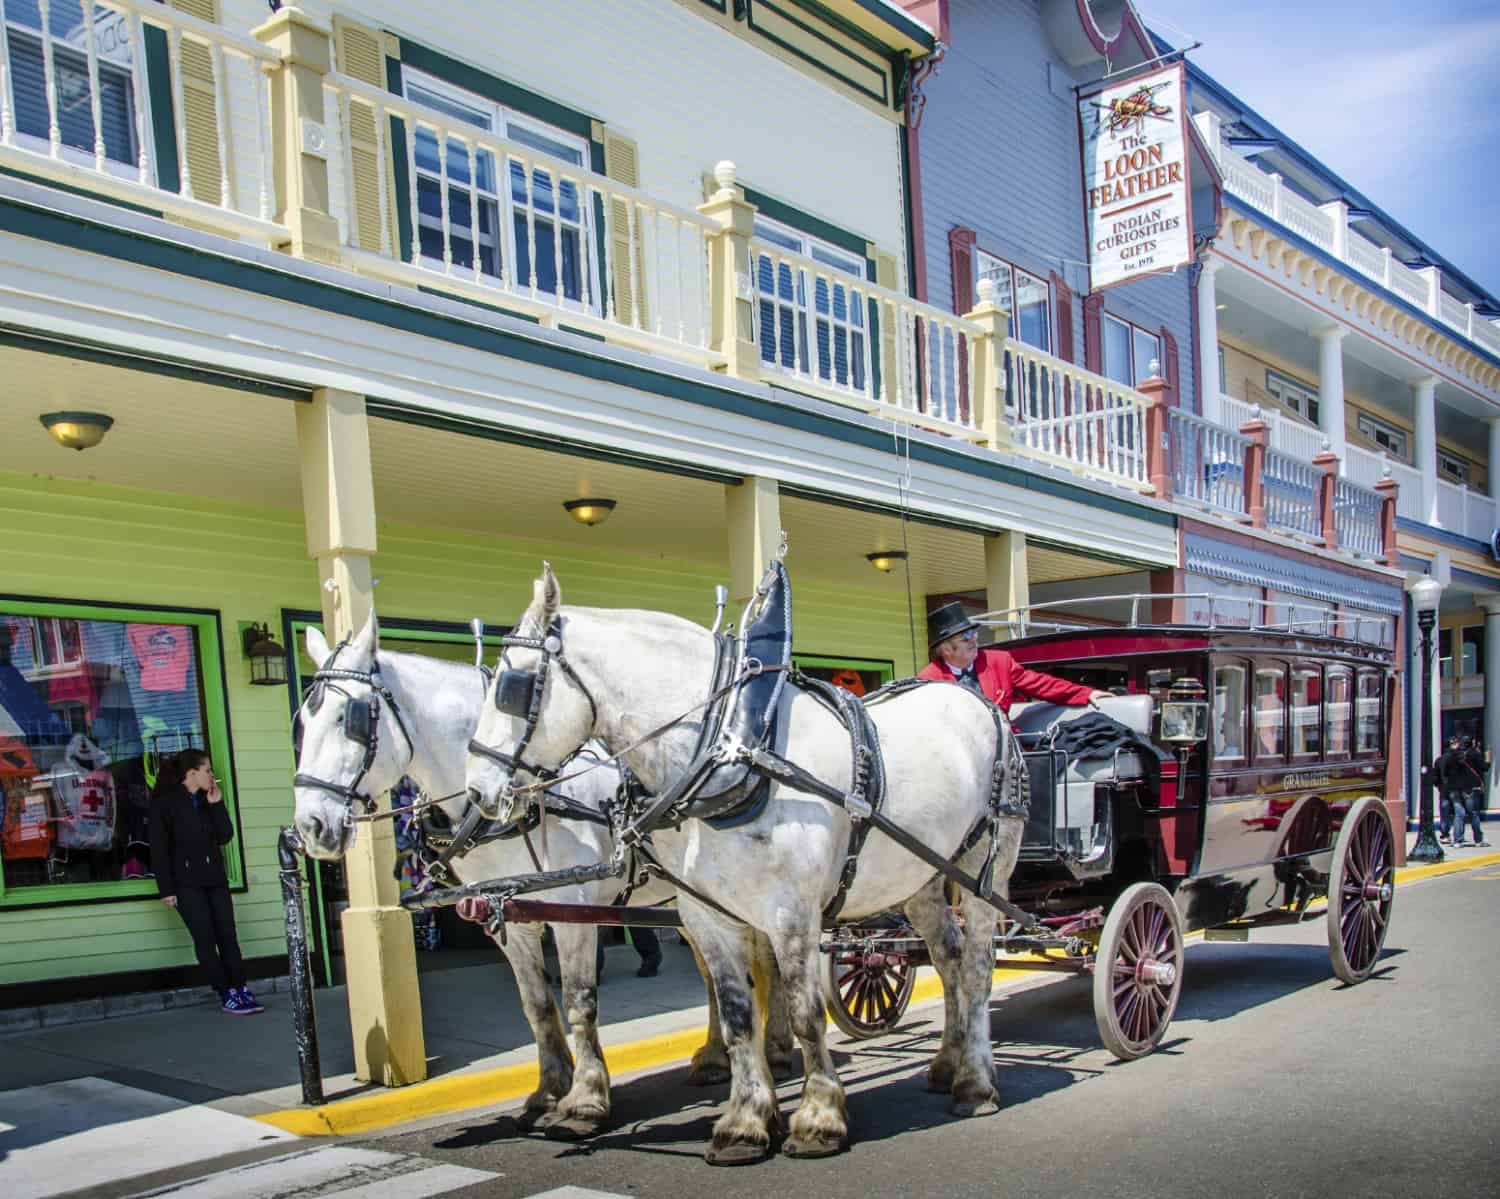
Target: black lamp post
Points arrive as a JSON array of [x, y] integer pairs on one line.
[[1424, 597]]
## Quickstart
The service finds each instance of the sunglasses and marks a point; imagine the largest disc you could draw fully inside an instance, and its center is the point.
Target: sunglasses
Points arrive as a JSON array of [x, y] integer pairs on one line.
[[969, 635]]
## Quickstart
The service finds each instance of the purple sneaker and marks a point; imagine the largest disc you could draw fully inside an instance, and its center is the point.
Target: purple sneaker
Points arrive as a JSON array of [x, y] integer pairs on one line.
[[249, 1005], [232, 1003]]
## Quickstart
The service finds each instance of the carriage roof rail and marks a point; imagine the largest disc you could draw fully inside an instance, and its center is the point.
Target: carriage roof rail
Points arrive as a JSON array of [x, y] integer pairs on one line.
[[1264, 616]]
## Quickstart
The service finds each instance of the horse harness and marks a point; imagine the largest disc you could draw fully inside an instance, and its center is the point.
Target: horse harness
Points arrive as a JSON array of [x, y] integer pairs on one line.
[[727, 781], [361, 724]]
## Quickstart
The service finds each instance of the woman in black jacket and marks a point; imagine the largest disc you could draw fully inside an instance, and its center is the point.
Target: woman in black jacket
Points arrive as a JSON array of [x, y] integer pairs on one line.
[[189, 825]]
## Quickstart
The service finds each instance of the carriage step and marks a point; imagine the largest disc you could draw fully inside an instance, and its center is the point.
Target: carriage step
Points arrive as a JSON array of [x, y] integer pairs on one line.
[[1227, 932]]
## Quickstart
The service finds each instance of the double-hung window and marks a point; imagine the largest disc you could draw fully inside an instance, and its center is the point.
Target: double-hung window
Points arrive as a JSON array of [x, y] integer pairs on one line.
[[55, 63], [1389, 438], [1026, 297], [811, 320], [1129, 351], [525, 217], [1300, 398]]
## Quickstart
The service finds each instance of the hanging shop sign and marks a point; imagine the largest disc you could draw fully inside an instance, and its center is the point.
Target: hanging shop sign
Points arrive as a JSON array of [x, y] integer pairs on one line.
[[1137, 206]]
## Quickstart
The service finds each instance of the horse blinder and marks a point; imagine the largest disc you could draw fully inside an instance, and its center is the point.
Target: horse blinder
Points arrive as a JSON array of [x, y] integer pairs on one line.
[[514, 692], [359, 721]]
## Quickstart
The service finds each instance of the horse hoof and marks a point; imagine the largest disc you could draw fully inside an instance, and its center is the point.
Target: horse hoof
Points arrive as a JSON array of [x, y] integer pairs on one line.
[[975, 1107], [573, 1128], [528, 1119], [809, 1147], [708, 1076], [736, 1153]]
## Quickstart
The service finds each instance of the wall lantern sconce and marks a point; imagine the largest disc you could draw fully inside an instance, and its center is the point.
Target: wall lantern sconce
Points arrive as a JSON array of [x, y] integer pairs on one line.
[[77, 430], [592, 511], [885, 561], [267, 657]]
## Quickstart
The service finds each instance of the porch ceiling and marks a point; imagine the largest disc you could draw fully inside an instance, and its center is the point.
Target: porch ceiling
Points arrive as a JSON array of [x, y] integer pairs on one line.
[[195, 437]]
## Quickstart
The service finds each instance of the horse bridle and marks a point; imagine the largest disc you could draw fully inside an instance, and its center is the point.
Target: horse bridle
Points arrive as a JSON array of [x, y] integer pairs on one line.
[[361, 725], [520, 693]]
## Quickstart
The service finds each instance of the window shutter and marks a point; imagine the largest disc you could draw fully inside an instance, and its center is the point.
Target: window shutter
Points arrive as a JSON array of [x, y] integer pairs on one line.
[[199, 116], [360, 54], [1169, 366], [1063, 296], [886, 275], [627, 262], [961, 257], [1093, 333]]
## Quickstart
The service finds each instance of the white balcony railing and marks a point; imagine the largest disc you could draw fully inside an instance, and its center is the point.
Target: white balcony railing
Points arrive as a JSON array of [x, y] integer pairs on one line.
[[1291, 491], [85, 86], [1267, 193], [1289, 434], [500, 219], [1367, 469], [1467, 513], [1066, 414], [834, 333], [1356, 517], [1208, 463]]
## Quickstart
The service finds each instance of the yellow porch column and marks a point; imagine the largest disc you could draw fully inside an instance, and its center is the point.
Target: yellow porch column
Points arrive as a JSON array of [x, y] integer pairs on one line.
[[754, 511], [1007, 582], [732, 294], [299, 136], [987, 381], [338, 504]]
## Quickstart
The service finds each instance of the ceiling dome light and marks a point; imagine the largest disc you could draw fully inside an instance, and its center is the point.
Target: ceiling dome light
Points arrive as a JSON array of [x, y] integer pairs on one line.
[[885, 560], [77, 430], [592, 511]]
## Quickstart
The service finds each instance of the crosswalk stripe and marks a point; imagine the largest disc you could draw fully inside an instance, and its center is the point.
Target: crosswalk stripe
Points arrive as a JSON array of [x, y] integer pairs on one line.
[[572, 1192], [435, 1180], [367, 1173]]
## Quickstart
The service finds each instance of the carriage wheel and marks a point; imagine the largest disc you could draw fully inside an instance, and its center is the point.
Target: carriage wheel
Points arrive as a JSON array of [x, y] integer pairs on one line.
[[1361, 890], [1138, 972], [868, 989]]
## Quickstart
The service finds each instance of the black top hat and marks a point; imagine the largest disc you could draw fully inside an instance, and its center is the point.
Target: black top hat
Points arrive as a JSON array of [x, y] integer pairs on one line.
[[948, 621]]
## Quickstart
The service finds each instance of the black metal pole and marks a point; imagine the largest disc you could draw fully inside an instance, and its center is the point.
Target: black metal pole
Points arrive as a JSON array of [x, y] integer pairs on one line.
[[304, 1019], [1427, 848]]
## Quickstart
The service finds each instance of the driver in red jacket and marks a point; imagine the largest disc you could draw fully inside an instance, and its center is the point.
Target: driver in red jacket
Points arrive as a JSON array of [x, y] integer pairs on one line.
[[957, 658]]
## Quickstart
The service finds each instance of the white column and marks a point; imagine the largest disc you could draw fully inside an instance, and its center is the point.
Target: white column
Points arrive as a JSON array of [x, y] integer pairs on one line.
[[1424, 402], [1492, 466], [1331, 388], [1491, 608], [1208, 340]]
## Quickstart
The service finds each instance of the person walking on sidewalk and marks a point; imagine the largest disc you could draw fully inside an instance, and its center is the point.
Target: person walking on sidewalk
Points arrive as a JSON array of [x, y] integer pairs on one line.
[[1445, 775], [189, 827], [1468, 771]]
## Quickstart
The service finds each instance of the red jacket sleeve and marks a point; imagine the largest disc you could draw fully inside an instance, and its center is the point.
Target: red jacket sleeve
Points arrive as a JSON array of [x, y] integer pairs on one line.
[[935, 672], [1033, 684]]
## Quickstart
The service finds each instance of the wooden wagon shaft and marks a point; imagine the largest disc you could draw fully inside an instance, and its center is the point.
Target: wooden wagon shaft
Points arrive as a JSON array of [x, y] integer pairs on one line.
[[481, 910]]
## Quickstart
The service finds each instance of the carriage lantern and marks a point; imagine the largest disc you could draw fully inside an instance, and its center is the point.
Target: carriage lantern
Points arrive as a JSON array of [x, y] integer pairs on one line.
[[267, 658], [1184, 713]]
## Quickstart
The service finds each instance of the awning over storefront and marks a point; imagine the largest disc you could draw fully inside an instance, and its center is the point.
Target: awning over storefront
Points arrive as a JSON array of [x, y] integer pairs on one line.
[[1261, 568]]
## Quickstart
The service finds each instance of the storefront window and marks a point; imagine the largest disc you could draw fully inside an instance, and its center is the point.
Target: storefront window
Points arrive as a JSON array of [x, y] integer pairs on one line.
[[1473, 650], [89, 708]]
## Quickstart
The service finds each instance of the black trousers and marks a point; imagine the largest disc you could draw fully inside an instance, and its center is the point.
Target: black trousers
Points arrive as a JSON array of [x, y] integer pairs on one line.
[[208, 913]]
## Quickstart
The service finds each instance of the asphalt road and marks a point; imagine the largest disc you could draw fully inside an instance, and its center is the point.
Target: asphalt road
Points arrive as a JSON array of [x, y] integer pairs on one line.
[[1274, 1080]]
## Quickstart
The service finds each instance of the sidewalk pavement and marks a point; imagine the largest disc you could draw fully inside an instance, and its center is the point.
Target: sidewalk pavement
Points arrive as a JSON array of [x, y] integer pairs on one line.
[[97, 1104]]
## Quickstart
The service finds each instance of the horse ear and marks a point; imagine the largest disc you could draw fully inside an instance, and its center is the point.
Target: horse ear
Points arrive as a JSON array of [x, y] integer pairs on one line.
[[367, 640], [546, 595], [317, 645]]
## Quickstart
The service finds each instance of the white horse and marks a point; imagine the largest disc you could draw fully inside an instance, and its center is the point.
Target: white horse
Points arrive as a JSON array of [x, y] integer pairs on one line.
[[439, 704], [612, 676]]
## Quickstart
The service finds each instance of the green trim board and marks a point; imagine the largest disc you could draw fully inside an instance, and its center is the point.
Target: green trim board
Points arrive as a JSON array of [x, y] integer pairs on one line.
[[209, 647], [127, 245], [171, 368], [881, 96], [159, 104]]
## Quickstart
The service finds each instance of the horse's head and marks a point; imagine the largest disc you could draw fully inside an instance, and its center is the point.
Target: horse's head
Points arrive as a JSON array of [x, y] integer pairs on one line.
[[351, 744], [537, 711]]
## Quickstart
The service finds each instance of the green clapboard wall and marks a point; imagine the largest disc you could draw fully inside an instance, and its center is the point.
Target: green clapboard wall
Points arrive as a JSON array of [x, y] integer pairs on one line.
[[83, 541]]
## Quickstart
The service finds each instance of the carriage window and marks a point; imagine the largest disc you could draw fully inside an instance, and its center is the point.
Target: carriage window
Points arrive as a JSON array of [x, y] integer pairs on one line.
[[1336, 711], [1307, 728], [1229, 712], [1270, 713], [1367, 713]]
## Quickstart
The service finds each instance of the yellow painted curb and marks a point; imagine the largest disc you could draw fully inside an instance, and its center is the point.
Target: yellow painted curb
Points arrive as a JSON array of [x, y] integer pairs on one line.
[[485, 1088]]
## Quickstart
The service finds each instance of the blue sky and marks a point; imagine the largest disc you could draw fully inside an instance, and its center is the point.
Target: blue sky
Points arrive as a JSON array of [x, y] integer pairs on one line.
[[1401, 99]]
